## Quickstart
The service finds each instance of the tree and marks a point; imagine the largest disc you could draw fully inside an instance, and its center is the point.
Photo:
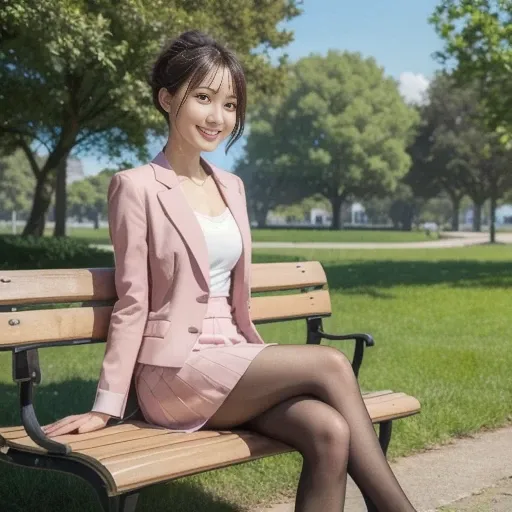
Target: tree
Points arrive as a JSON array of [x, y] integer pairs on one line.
[[341, 129], [478, 40], [404, 208], [86, 89], [440, 152], [88, 197], [270, 176], [478, 46]]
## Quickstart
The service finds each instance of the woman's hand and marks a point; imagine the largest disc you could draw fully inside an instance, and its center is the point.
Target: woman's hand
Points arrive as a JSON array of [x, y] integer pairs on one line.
[[77, 423]]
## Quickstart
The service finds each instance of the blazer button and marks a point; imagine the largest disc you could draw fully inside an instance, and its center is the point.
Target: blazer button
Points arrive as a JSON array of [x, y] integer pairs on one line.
[[193, 329]]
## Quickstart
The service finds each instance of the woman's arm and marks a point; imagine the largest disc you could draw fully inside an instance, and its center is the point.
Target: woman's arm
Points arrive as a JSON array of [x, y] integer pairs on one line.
[[128, 231]]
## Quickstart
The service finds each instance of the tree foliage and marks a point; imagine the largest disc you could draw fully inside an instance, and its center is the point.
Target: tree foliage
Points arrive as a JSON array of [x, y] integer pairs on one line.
[[74, 72], [478, 46], [340, 130]]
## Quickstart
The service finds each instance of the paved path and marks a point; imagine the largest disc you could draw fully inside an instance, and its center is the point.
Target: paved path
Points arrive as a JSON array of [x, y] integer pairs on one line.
[[452, 240], [471, 474]]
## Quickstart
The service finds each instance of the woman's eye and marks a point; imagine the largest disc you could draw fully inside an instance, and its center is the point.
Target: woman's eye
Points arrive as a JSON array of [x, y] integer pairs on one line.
[[233, 106], [202, 96]]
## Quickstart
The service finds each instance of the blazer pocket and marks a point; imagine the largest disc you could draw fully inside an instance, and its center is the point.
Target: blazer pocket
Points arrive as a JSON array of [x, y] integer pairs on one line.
[[156, 328]]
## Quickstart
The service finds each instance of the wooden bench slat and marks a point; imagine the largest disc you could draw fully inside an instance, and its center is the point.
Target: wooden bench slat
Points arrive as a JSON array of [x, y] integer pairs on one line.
[[123, 437], [371, 394], [137, 454], [54, 325], [383, 398], [77, 285], [143, 443], [287, 307], [56, 285], [394, 409], [266, 277], [120, 462], [48, 325]]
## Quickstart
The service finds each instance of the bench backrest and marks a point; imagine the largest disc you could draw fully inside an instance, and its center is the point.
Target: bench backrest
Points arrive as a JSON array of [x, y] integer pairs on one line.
[[90, 295]]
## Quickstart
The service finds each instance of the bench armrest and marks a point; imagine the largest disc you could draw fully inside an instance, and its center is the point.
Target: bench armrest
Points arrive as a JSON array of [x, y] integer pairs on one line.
[[316, 334], [361, 340], [367, 338]]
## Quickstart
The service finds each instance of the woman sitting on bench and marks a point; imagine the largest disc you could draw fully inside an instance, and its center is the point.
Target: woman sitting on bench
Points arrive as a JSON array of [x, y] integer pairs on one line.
[[182, 324]]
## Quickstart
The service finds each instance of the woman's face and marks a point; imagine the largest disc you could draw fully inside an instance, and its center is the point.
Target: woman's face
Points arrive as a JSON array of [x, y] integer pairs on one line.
[[208, 115]]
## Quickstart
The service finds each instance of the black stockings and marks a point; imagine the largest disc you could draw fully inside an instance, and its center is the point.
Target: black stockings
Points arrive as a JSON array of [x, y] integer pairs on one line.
[[308, 397]]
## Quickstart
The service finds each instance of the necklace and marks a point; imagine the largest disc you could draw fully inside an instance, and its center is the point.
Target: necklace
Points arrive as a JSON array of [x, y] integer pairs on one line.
[[194, 181], [198, 184]]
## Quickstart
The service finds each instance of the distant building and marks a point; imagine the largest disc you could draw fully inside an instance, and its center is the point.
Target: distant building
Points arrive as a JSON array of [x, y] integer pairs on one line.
[[352, 214], [503, 215], [320, 217], [358, 214]]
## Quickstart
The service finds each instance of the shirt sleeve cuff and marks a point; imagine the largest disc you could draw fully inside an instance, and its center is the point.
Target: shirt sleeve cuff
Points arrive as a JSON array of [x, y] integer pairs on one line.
[[110, 403]]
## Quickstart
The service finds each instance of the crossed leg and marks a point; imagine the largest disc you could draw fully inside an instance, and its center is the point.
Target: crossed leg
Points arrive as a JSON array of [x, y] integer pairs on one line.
[[275, 396]]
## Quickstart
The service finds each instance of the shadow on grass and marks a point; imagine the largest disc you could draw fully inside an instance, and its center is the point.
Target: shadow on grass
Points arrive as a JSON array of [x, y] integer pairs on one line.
[[373, 277], [24, 489], [386, 274]]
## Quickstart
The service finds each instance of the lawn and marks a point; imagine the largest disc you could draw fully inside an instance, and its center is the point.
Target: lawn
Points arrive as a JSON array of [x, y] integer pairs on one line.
[[100, 236], [441, 321]]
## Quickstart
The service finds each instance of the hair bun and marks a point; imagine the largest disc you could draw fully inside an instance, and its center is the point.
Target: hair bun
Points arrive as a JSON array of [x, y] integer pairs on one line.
[[195, 39]]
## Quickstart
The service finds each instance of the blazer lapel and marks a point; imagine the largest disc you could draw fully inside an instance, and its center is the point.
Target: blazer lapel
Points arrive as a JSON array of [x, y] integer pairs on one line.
[[182, 216]]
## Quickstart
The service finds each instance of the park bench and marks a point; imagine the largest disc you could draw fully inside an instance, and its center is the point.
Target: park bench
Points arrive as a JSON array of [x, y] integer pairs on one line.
[[129, 454]]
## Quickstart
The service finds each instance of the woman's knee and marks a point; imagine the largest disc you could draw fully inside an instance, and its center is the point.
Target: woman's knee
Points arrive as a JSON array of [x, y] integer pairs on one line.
[[328, 444], [334, 367]]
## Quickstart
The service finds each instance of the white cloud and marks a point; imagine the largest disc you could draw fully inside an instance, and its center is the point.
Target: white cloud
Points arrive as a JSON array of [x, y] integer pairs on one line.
[[413, 86]]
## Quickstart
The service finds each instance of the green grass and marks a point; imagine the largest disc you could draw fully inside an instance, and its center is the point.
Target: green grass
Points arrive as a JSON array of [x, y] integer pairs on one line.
[[441, 321], [100, 236], [324, 235]]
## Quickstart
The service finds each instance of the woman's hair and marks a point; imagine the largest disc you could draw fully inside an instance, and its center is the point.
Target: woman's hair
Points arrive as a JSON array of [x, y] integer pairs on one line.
[[194, 55]]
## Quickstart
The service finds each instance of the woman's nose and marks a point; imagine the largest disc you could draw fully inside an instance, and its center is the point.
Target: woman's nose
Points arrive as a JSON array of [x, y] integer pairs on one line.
[[215, 114]]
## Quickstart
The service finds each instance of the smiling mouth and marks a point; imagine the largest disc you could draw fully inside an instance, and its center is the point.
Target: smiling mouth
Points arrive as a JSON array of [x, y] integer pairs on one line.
[[208, 133]]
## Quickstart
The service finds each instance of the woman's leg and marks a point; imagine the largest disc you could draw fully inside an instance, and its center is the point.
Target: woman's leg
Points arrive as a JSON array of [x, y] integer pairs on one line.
[[281, 372], [322, 437]]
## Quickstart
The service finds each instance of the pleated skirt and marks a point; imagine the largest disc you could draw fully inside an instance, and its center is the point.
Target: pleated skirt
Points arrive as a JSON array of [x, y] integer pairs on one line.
[[184, 399]]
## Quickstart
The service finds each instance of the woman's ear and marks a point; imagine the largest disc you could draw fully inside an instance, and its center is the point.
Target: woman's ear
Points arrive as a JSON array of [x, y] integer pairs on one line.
[[165, 99]]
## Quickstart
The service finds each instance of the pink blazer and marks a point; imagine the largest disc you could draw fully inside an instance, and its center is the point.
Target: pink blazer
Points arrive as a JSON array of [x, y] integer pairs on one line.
[[162, 275]]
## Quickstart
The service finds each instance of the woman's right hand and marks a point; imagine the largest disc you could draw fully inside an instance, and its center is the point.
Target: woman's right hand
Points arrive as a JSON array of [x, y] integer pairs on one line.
[[77, 424]]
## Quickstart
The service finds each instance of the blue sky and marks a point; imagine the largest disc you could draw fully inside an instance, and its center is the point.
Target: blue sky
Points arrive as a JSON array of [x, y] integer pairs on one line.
[[395, 32]]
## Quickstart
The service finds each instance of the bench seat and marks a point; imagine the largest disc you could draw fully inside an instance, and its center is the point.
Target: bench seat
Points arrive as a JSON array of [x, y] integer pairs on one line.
[[135, 454]]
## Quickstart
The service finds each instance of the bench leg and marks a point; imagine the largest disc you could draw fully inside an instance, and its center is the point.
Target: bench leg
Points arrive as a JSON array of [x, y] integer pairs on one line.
[[384, 437], [123, 503]]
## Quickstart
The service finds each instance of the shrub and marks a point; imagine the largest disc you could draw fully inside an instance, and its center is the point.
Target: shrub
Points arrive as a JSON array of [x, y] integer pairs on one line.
[[31, 252]]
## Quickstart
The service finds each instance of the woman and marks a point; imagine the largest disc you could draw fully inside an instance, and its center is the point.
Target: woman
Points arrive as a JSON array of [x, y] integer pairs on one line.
[[182, 246]]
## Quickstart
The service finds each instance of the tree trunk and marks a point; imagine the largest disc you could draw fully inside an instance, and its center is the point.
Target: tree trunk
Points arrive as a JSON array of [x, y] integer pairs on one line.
[[46, 181], [261, 213], [492, 219], [336, 204], [96, 219], [477, 216], [455, 212], [61, 199], [42, 198]]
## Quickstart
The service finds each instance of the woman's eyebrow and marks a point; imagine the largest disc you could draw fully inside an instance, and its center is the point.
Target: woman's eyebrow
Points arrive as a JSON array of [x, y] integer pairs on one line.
[[214, 91]]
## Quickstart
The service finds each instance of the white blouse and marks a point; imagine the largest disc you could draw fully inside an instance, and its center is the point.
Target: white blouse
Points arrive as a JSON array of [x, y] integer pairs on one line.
[[224, 243]]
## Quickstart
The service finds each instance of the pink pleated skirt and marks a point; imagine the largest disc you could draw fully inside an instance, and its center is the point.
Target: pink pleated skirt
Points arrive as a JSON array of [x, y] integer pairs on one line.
[[184, 399]]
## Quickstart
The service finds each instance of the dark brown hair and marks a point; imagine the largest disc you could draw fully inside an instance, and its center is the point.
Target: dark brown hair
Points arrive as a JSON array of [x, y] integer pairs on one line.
[[193, 55]]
